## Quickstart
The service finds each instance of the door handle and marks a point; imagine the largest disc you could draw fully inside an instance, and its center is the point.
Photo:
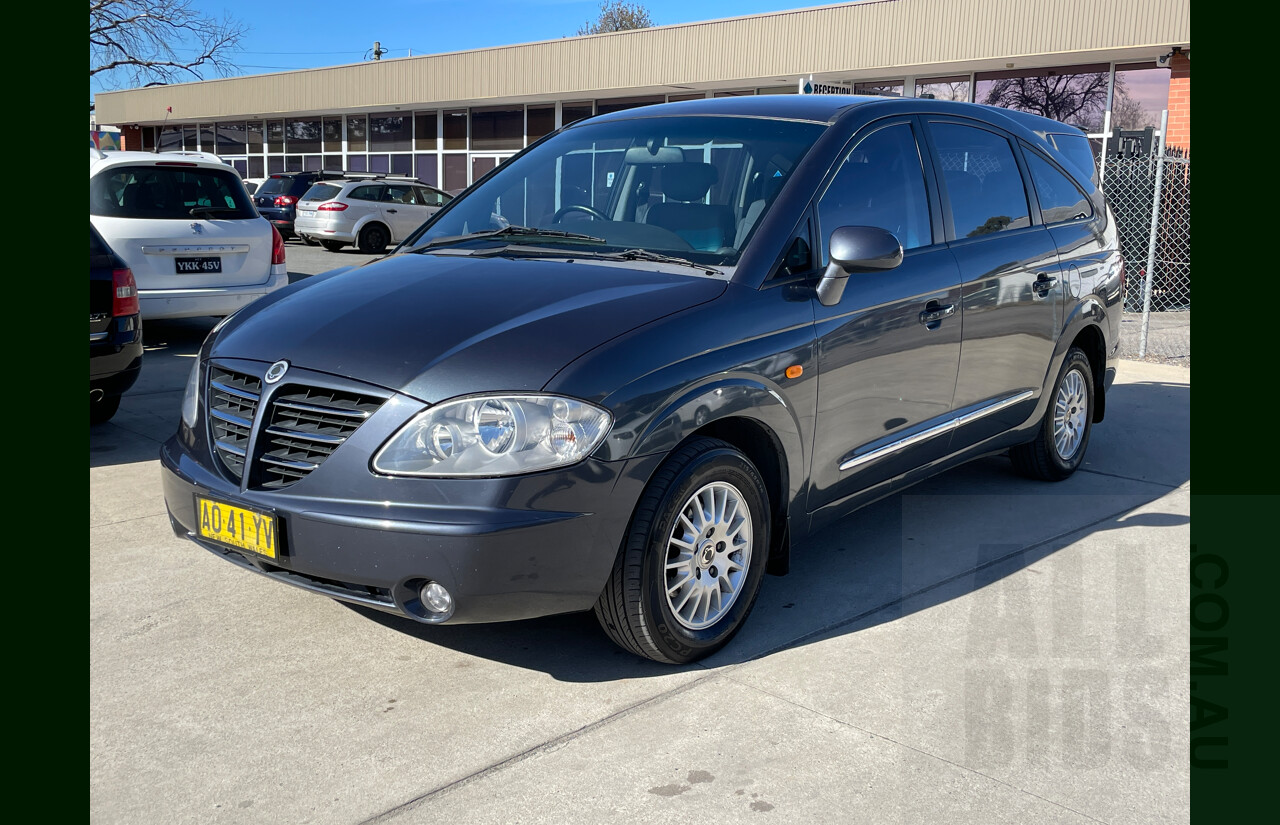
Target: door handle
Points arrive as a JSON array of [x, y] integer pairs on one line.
[[392, 211], [933, 314], [1044, 283]]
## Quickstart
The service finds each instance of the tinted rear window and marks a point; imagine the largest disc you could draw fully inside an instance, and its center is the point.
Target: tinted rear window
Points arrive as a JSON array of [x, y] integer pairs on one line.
[[169, 193], [275, 186], [322, 192]]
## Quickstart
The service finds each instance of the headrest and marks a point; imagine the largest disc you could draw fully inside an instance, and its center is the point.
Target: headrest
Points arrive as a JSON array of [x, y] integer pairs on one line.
[[688, 181]]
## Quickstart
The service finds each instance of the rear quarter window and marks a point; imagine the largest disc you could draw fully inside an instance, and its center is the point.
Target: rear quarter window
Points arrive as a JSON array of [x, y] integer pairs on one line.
[[371, 192], [1078, 152], [169, 193]]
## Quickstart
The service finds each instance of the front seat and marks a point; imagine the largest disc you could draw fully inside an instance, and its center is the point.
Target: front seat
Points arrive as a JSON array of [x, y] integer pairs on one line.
[[703, 226]]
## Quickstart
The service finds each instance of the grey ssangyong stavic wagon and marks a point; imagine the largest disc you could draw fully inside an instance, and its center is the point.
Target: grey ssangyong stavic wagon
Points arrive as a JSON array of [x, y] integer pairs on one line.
[[636, 365]]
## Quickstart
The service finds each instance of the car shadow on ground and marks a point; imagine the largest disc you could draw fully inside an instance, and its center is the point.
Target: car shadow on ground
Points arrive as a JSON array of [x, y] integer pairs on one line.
[[943, 539]]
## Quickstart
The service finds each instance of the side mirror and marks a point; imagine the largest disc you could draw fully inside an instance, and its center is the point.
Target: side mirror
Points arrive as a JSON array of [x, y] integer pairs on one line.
[[856, 249]]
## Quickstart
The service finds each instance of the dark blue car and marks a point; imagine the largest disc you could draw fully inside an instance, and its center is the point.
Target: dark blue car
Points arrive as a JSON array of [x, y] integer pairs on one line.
[[115, 329], [638, 365]]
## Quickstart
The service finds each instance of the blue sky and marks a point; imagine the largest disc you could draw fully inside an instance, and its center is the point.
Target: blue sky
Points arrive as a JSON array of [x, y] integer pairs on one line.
[[315, 33]]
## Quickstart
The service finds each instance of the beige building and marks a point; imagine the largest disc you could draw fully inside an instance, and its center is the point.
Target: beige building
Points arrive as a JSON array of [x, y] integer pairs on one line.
[[449, 118]]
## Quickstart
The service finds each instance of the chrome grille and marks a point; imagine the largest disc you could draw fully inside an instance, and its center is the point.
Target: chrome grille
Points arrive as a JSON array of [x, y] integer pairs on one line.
[[233, 400], [306, 425]]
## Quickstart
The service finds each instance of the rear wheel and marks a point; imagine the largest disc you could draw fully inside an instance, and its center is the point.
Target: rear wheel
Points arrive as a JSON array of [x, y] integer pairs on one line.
[[373, 239], [691, 564], [1060, 442], [332, 246], [102, 410]]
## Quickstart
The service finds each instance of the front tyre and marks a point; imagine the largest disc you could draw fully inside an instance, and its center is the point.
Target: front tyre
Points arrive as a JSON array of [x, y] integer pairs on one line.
[[693, 558], [1060, 442]]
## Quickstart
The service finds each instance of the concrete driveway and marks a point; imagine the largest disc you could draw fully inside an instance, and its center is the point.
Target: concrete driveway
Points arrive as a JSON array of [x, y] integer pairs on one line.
[[980, 649]]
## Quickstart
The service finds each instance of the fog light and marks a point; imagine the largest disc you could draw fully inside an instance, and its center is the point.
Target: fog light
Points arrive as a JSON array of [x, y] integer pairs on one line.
[[435, 598]]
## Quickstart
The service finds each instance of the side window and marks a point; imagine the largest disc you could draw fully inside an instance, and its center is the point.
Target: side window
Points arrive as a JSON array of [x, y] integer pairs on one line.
[[368, 192], [984, 186], [1060, 199], [429, 197], [880, 183], [399, 193]]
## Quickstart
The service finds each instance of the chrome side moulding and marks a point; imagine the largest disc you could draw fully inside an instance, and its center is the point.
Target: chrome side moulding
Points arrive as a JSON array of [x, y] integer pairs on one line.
[[933, 432]]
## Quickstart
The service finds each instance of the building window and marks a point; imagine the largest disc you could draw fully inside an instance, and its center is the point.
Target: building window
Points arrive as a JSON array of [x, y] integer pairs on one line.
[[497, 129], [275, 164], [207, 142], [293, 163], [883, 88], [540, 121], [170, 138], [691, 96], [778, 90], [253, 138], [619, 104], [954, 87], [231, 138], [189, 139], [257, 168], [402, 165], [737, 93], [425, 169], [390, 133], [357, 134], [455, 172], [426, 126], [357, 163], [1075, 95], [275, 136], [1141, 92], [148, 138], [331, 134], [333, 163], [312, 163], [302, 136], [572, 112], [455, 129]]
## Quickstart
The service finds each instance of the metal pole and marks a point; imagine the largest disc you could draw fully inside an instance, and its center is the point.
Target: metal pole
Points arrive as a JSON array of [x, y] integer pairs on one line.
[[1102, 161], [1151, 244]]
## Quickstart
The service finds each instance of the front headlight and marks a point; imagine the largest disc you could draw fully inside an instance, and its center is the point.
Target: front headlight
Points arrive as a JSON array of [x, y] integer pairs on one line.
[[191, 398], [494, 435]]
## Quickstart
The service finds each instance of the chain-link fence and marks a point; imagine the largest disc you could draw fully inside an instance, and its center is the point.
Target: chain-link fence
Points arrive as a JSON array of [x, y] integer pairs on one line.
[[1155, 239]]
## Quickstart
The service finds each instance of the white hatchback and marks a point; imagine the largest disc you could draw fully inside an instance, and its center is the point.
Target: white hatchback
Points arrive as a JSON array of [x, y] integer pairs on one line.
[[187, 229]]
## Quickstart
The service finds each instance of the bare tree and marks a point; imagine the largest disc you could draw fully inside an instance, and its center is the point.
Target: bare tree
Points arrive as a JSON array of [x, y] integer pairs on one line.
[[136, 41], [1127, 112], [616, 16], [1077, 99]]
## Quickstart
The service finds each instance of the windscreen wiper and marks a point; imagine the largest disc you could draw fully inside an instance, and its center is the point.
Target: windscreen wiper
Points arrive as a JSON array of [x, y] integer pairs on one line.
[[646, 255], [204, 211], [514, 230]]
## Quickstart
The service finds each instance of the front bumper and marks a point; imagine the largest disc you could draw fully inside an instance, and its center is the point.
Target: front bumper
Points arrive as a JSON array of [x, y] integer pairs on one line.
[[505, 548]]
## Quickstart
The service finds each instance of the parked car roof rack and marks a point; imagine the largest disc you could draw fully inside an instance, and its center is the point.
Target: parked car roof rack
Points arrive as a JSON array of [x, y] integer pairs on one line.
[[381, 176]]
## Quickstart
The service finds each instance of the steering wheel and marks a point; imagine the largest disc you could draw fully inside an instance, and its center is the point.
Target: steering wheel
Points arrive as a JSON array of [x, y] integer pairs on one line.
[[578, 207]]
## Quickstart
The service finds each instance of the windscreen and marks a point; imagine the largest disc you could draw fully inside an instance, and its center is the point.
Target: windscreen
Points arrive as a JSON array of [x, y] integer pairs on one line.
[[691, 187], [169, 193]]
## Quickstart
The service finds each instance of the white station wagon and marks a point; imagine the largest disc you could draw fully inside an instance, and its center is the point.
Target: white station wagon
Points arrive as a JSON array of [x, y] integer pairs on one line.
[[187, 228], [370, 213]]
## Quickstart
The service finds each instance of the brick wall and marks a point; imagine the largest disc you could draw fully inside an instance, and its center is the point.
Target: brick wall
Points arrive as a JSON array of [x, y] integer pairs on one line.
[[1180, 103]]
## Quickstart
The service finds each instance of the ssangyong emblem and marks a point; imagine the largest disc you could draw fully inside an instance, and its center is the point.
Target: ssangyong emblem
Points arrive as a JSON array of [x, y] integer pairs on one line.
[[276, 371]]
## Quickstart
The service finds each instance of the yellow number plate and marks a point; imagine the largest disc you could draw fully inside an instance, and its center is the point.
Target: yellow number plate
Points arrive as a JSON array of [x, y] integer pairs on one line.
[[238, 527]]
